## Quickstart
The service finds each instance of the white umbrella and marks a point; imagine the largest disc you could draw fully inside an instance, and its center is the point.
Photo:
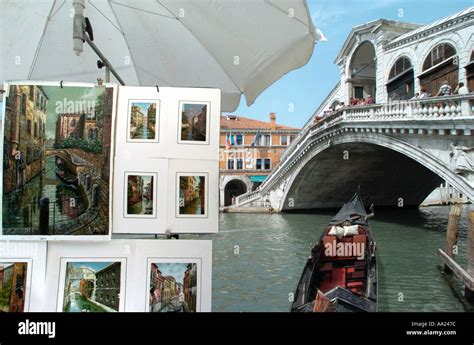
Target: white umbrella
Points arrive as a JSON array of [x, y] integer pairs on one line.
[[239, 46]]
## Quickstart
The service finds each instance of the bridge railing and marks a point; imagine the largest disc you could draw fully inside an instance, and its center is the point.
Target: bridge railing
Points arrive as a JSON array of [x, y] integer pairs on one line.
[[247, 198], [432, 108]]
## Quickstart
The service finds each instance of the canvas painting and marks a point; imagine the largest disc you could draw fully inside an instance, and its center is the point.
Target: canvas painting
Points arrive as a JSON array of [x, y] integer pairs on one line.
[[194, 122], [140, 195], [143, 121], [92, 287], [13, 286], [56, 160], [173, 287], [192, 195]]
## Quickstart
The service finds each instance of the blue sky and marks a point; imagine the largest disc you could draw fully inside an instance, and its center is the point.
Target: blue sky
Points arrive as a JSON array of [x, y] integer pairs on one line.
[[309, 85]]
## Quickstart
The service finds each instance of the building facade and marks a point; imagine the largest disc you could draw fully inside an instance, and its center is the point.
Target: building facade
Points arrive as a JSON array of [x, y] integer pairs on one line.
[[396, 60], [249, 150], [107, 290], [24, 135]]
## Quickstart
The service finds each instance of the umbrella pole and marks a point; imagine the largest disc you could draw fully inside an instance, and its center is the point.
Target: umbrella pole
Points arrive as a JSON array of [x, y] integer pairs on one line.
[[108, 67]]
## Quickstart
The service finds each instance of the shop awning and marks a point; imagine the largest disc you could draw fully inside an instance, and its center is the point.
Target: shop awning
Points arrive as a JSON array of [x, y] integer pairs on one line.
[[258, 178]]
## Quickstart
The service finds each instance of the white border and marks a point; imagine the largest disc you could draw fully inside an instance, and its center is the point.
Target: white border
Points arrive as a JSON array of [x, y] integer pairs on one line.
[[206, 194], [208, 123], [6, 87], [197, 261], [34, 253], [125, 194], [157, 121], [135, 254], [62, 277], [141, 224]]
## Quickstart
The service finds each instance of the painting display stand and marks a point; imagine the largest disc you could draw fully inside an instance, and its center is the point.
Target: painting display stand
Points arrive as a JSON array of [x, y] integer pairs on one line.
[[82, 162]]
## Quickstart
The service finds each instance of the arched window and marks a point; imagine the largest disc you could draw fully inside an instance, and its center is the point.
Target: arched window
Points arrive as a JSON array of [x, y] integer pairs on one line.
[[400, 66], [438, 54], [73, 123]]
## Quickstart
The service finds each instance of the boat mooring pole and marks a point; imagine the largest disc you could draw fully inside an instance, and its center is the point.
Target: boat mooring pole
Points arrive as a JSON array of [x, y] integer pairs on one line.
[[470, 253], [452, 233]]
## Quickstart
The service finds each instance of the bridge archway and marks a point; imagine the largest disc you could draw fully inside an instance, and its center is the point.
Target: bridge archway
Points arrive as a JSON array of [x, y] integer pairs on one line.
[[233, 187], [362, 71], [389, 171]]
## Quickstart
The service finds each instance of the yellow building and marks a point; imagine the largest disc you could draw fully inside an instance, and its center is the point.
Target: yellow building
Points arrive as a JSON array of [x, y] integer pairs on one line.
[[249, 150]]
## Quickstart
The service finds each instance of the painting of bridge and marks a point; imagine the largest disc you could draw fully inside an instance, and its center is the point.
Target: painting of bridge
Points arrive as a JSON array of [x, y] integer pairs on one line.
[[92, 287], [56, 160]]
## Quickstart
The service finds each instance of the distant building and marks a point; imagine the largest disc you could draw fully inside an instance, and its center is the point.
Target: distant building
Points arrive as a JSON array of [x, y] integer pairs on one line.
[[190, 286], [249, 150], [18, 291], [108, 286], [82, 125]]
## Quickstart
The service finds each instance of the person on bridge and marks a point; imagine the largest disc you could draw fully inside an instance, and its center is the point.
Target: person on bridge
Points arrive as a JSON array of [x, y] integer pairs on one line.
[[423, 93], [445, 89], [461, 89]]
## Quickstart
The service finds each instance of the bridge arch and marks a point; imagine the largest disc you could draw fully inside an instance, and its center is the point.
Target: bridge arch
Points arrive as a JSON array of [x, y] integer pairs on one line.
[[362, 70], [416, 160]]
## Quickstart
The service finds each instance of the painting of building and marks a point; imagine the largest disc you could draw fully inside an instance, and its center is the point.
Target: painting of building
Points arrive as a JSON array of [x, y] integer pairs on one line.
[[193, 122], [56, 160], [140, 195], [13, 286], [173, 287], [192, 195], [142, 121], [92, 287]]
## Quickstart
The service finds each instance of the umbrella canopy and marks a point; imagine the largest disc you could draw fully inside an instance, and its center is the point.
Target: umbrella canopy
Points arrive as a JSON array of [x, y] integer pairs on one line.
[[238, 46]]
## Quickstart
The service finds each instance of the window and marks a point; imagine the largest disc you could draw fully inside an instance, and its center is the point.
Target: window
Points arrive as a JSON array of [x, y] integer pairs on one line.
[[438, 54], [292, 137], [265, 140], [239, 139], [284, 140], [32, 93], [240, 164], [267, 164], [35, 131], [28, 126], [400, 66], [73, 123], [23, 104], [359, 92], [230, 164], [235, 139], [258, 166]]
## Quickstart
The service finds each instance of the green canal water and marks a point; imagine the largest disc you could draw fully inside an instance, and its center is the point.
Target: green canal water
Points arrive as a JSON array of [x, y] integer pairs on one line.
[[258, 259]]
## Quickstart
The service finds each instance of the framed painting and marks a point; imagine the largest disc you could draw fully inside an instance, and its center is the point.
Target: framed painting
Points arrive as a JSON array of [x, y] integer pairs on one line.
[[91, 284], [143, 121], [57, 160]]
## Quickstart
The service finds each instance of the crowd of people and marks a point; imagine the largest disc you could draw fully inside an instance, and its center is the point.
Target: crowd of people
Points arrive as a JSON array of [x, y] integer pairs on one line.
[[444, 90]]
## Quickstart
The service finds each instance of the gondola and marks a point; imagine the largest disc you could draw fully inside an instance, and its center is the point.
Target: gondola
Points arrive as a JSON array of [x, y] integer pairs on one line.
[[341, 272]]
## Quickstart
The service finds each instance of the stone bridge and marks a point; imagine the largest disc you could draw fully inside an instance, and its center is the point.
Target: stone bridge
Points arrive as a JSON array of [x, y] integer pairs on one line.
[[397, 152]]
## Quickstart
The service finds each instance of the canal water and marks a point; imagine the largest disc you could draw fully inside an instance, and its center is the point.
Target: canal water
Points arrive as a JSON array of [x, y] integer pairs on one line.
[[21, 207], [258, 259], [78, 304], [144, 133]]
